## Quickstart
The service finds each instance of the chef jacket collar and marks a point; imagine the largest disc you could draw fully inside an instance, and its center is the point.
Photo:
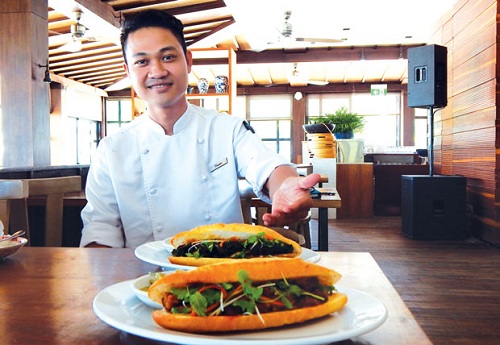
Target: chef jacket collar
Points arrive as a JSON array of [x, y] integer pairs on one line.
[[179, 126]]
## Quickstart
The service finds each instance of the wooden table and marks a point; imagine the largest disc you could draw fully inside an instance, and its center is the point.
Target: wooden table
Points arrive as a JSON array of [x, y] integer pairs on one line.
[[323, 204], [46, 296]]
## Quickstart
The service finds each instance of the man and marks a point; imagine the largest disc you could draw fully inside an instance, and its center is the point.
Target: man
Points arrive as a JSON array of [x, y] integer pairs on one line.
[[177, 166]]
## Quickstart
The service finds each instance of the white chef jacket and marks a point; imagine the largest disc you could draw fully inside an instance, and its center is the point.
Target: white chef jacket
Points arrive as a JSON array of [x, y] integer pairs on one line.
[[146, 186]]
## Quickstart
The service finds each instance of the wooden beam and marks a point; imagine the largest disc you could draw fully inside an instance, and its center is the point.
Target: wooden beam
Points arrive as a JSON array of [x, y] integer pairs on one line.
[[102, 10], [77, 85], [97, 15], [322, 54], [332, 87]]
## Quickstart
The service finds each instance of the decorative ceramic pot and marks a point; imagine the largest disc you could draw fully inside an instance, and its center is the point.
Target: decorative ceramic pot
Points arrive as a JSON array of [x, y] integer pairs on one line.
[[344, 135], [202, 85], [220, 83]]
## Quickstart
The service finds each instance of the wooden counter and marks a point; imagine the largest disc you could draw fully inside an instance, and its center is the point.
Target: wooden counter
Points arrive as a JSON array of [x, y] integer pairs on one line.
[[355, 184]]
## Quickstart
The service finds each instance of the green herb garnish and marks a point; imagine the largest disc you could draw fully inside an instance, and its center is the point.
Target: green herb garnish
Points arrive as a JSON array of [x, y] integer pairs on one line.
[[214, 299]]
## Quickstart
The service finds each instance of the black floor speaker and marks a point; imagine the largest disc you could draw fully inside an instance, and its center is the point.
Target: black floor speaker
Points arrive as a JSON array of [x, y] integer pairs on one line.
[[427, 76], [433, 207]]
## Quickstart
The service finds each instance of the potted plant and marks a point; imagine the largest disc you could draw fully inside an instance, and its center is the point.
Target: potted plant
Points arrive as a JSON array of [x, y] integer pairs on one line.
[[345, 123]]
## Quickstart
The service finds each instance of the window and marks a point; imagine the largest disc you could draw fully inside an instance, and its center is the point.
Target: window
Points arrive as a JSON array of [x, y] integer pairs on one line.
[[382, 118], [421, 128], [381, 114], [275, 134], [118, 113], [326, 103], [87, 136], [271, 118]]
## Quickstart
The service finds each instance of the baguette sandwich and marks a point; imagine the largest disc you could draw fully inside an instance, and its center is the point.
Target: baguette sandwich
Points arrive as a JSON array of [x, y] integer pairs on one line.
[[245, 295], [214, 243]]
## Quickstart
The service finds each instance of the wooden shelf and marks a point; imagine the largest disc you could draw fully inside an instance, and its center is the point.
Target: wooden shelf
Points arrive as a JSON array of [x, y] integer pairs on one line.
[[209, 63], [203, 95]]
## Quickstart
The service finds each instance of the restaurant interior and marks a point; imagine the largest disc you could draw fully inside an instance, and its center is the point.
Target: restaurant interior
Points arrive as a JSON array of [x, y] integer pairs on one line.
[[417, 188]]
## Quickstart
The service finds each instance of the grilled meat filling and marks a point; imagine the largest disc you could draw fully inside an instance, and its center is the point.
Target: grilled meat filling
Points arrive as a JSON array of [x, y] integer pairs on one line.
[[254, 246], [230, 299]]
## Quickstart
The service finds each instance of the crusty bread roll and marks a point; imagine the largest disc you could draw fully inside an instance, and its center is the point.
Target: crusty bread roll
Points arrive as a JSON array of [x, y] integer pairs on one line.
[[259, 271], [228, 232]]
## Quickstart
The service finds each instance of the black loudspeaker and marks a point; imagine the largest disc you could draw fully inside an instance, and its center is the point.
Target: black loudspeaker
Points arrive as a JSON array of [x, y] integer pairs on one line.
[[433, 207], [427, 76]]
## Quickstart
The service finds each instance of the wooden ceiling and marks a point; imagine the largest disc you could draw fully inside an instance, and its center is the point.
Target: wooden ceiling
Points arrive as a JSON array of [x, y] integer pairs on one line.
[[99, 61]]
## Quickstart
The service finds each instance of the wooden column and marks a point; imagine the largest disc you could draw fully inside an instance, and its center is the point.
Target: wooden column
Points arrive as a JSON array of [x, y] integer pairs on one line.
[[298, 118], [24, 97]]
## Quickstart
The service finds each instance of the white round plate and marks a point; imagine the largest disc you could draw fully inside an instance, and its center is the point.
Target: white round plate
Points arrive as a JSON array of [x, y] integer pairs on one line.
[[167, 244], [157, 253], [118, 307]]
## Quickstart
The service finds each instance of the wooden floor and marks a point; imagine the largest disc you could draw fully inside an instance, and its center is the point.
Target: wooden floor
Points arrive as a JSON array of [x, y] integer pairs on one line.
[[451, 287]]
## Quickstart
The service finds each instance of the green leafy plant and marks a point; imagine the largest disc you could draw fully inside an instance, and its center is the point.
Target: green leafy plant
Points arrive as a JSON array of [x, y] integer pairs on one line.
[[343, 119]]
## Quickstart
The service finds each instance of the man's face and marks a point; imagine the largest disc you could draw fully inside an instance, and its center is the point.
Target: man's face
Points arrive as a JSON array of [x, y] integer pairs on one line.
[[157, 67]]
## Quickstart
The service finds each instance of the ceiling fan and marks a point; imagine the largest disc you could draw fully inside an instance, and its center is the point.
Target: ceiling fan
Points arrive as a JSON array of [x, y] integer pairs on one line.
[[78, 32], [286, 35], [296, 77]]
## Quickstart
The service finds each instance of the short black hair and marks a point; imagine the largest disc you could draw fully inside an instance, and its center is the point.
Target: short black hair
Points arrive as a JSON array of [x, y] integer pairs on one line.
[[151, 18]]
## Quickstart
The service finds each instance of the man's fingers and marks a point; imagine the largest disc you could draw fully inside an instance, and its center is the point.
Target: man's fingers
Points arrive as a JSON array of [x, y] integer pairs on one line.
[[309, 181]]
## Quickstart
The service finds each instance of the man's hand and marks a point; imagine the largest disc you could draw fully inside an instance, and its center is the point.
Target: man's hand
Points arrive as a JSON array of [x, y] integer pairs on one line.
[[291, 201]]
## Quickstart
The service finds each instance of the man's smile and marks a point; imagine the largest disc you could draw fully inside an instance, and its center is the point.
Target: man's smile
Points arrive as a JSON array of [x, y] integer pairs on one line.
[[159, 85]]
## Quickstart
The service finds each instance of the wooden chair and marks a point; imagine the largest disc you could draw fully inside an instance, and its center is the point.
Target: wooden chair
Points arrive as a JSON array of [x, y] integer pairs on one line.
[[303, 229], [11, 190], [52, 190]]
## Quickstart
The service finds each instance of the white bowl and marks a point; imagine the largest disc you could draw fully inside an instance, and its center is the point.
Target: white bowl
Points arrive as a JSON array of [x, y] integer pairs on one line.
[[140, 286], [10, 247]]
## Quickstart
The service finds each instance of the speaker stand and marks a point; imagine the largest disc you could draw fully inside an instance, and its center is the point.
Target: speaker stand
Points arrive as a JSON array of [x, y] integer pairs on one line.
[[431, 141]]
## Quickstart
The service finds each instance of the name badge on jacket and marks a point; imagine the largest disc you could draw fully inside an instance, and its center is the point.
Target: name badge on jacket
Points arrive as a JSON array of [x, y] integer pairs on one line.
[[218, 165]]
